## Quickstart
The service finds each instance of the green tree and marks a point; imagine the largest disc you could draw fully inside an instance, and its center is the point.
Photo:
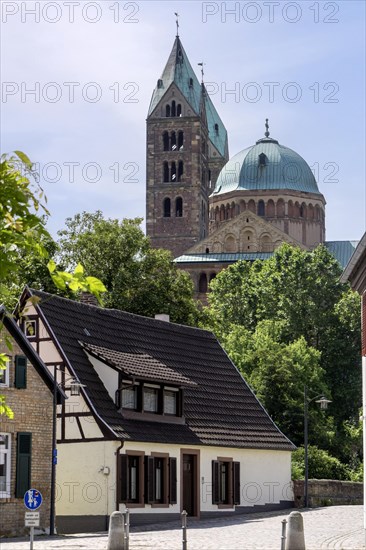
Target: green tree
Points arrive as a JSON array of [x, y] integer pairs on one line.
[[278, 372], [138, 278], [22, 226], [24, 239], [299, 293], [321, 465]]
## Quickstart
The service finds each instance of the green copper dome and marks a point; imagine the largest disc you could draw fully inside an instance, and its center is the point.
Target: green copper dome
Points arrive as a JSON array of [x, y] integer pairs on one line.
[[264, 166]]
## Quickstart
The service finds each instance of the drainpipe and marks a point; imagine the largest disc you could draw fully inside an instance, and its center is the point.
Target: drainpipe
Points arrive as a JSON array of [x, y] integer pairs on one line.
[[117, 471]]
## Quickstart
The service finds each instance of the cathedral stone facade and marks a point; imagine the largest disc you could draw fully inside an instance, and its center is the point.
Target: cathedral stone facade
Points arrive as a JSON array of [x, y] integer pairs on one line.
[[210, 211]]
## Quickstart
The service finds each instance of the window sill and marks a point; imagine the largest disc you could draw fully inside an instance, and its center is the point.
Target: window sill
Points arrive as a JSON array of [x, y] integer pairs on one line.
[[226, 506], [160, 505], [134, 504]]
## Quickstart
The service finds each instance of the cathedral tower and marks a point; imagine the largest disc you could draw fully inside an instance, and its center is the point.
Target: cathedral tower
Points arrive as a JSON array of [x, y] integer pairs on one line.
[[186, 147]]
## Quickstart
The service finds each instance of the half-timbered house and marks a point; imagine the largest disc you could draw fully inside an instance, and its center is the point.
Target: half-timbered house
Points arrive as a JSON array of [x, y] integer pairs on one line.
[[164, 422]]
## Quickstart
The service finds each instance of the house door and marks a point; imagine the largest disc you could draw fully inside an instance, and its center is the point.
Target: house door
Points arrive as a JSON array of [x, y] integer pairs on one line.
[[189, 484]]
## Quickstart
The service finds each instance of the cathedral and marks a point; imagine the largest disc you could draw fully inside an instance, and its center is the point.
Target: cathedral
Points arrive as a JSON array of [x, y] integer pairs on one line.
[[211, 210]]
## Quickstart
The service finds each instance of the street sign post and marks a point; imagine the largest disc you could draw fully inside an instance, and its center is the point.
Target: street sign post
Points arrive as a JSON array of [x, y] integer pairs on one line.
[[32, 501], [32, 519]]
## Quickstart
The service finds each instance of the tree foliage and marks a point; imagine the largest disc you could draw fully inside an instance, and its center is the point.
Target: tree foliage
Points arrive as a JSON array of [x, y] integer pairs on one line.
[[138, 278], [25, 243], [321, 465], [287, 322]]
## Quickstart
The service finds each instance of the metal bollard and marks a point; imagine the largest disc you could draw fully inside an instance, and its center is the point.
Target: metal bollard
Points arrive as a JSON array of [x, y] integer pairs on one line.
[[184, 530], [127, 529], [283, 535]]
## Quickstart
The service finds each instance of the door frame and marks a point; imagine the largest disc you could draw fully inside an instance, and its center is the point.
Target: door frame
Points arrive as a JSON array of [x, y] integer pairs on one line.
[[196, 479]]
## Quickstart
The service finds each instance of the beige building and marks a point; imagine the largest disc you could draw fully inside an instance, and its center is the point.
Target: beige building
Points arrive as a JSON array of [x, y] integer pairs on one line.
[[164, 423]]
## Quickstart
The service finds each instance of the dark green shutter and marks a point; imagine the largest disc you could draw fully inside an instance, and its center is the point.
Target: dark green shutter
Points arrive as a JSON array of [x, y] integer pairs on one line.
[[24, 455], [20, 372], [236, 482], [149, 479], [172, 481], [123, 478], [215, 482]]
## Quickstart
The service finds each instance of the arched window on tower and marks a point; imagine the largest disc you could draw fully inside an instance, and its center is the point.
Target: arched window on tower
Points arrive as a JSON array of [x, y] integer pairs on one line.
[[166, 141], [173, 111], [202, 283], [179, 109], [173, 172], [180, 170], [179, 207], [173, 141], [165, 172], [166, 208], [180, 140], [261, 208], [167, 111]]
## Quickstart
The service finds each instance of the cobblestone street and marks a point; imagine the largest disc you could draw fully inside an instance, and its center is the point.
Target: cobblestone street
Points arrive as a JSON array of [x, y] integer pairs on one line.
[[337, 527]]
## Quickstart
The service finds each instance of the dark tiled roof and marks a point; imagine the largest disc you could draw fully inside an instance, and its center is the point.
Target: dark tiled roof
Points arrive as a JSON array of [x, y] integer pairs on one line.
[[140, 365], [220, 410]]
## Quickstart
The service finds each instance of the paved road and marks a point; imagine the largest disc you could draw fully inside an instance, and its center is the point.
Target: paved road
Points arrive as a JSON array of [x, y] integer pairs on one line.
[[336, 527]]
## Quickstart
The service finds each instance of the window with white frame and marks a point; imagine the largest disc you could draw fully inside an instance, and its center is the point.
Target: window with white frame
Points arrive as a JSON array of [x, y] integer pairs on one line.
[[151, 399], [170, 401], [4, 373], [5, 464], [129, 397]]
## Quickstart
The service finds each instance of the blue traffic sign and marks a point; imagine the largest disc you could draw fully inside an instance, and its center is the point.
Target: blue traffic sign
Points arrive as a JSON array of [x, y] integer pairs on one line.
[[32, 499]]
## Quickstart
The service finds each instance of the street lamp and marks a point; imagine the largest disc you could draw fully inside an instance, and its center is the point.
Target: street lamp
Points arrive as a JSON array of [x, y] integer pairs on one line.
[[75, 386], [323, 405]]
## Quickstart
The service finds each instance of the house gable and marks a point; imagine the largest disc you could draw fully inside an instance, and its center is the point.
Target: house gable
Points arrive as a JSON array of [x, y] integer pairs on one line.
[[246, 233]]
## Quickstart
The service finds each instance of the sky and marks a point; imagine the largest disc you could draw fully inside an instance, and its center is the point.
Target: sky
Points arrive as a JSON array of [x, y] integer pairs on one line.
[[77, 79]]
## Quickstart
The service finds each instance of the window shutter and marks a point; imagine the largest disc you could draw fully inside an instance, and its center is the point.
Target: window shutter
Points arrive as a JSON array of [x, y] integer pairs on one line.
[[23, 472], [123, 478], [149, 479], [20, 372], [172, 481], [215, 482], [236, 482]]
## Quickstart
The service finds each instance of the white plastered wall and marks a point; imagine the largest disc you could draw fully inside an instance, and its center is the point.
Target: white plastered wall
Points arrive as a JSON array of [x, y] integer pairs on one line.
[[86, 478], [83, 488]]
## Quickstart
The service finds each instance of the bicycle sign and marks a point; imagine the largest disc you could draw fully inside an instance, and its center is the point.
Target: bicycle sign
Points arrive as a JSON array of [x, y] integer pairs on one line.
[[32, 499]]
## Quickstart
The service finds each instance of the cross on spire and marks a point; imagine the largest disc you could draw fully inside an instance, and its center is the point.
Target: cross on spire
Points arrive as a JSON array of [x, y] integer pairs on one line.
[[177, 22], [266, 133]]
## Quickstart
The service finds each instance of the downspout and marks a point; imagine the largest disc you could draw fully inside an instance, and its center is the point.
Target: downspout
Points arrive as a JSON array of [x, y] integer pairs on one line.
[[117, 453]]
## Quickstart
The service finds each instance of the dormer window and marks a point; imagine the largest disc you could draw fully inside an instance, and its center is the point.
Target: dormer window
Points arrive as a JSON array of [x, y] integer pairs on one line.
[[151, 399], [170, 401], [216, 129], [191, 82], [160, 83], [129, 397]]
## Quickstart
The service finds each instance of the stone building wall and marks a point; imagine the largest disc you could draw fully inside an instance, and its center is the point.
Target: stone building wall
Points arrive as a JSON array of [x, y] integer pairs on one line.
[[32, 409], [327, 492]]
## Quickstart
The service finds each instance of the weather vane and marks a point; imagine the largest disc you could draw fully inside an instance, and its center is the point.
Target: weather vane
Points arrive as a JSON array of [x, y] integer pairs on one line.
[[202, 65], [266, 133], [177, 22]]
